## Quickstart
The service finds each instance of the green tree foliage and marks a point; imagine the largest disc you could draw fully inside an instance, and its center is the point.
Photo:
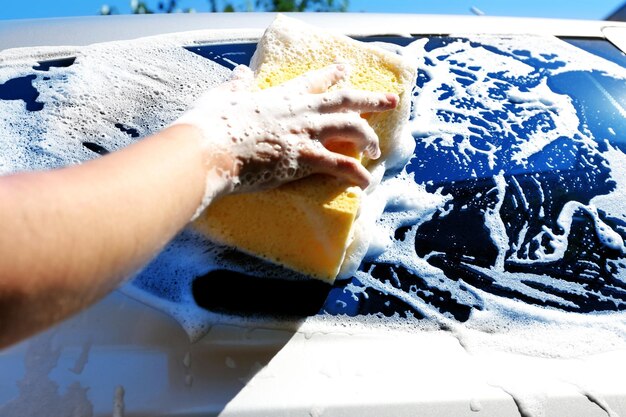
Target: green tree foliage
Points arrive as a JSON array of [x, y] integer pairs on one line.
[[302, 5], [171, 6]]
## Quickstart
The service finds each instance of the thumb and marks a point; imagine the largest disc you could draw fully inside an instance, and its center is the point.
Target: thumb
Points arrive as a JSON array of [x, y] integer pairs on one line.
[[242, 78]]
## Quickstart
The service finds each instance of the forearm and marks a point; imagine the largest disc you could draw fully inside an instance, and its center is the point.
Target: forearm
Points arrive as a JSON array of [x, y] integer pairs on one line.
[[71, 235]]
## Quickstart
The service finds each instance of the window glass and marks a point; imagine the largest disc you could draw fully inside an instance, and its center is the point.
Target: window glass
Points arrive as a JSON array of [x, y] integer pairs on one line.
[[525, 145], [519, 144]]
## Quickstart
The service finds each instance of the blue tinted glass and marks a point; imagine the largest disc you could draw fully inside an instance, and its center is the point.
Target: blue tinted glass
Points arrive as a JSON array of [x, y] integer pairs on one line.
[[599, 47], [227, 55], [529, 150], [457, 241], [556, 206], [529, 196]]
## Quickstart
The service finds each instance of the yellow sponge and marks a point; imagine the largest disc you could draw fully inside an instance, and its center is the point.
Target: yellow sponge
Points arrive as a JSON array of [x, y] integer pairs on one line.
[[306, 225]]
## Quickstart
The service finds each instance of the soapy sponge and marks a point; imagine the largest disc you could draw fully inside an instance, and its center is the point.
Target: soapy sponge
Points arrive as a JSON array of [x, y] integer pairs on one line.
[[306, 225]]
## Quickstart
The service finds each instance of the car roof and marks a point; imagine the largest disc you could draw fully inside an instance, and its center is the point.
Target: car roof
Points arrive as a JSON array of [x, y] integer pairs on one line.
[[92, 29]]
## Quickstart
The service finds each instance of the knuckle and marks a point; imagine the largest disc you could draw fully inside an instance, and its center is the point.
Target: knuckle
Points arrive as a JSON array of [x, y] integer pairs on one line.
[[349, 123], [363, 126], [347, 98], [346, 163]]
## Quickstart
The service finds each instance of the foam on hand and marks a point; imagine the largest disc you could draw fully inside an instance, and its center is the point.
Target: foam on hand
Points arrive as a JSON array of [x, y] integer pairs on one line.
[[308, 225]]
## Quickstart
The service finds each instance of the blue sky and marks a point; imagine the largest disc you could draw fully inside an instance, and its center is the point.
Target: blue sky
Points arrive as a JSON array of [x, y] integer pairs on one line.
[[589, 9]]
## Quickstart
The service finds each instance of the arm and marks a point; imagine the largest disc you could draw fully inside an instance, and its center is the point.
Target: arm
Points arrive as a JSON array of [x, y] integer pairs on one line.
[[70, 236]]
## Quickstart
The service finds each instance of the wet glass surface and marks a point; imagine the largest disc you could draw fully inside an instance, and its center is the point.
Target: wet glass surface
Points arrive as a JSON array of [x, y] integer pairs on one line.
[[529, 196], [457, 241], [21, 88]]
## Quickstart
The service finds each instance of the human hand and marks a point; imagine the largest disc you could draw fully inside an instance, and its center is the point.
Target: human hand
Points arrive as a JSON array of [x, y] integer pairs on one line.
[[259, 139]]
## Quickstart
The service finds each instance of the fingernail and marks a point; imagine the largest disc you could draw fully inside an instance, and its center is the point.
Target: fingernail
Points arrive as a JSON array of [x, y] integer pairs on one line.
[[392, 97], [366, 182], [373, 151], [341, 67]]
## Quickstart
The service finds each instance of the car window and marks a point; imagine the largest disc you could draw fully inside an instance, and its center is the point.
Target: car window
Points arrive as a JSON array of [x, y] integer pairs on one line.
[[521, 223], [519, 142]]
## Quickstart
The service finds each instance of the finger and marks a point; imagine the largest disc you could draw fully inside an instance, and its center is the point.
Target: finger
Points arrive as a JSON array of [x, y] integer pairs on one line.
[[242, 72], [322, 161], [356, 100], [241, 79], [348, 127], [317, 81]]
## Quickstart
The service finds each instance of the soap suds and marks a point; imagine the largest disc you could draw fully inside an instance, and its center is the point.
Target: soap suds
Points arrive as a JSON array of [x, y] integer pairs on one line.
[[600, 402], [230, 363], [273, 130], [82, 359], [490, 128], [529, 404], [118, 401], [39, 394], [108, 85], [475, 405]]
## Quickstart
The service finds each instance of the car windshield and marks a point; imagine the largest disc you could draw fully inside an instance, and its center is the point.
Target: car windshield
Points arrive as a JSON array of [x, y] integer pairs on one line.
[[519, 165]]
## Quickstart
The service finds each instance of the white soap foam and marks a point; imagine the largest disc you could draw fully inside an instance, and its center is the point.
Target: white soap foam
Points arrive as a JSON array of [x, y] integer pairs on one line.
[[436, 131], [529, 402], [475, 405], [118, 401], [503, 324], [143, 85], [539, 98], [112, 83], [494, 222], [599, 401], [549, 50], [273, 131]]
